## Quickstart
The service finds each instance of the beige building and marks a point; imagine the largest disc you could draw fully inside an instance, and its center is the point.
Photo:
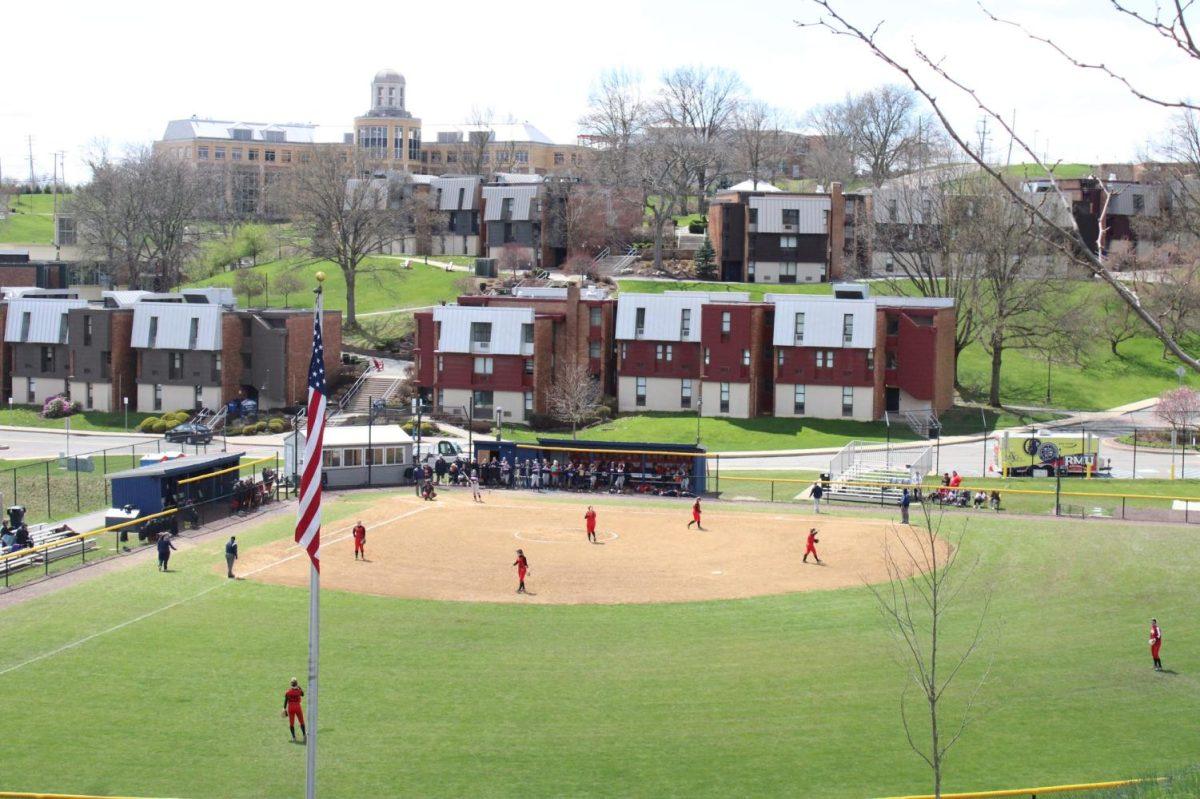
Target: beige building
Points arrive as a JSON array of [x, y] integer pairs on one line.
[[387, 132], [512, 147]]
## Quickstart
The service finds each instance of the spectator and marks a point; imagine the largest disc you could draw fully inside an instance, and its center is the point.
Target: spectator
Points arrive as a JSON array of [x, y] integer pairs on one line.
[[439, 468], [905, 501], [164, 551], [816, 493]]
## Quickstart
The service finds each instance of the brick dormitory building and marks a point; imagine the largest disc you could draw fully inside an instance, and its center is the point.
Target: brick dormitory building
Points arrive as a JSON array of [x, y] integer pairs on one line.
[[845, 355], [162, 352]]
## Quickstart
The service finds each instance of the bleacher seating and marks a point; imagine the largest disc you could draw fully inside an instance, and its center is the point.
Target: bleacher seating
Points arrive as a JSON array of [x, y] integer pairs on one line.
[[40, 535], [866, 472]]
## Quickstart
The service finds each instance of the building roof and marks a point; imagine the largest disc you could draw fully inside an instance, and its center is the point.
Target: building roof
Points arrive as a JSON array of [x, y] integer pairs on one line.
[[753, 185], [663, 319], [174, 325], [522, 197], [188, 463], [378, 435], [712, 296], [285, 133], [47, 320], [448, 189], [824, 321], [456, 320], [388, 76], [812, 213], [501, 132], [123, 299]]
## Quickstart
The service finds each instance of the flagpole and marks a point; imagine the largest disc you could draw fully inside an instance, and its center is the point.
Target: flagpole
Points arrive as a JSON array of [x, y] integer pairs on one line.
[[314, 624]]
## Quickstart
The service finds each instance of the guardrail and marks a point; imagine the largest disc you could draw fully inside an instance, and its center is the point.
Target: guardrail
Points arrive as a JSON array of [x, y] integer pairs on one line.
[[26, 795], [1032, 792]]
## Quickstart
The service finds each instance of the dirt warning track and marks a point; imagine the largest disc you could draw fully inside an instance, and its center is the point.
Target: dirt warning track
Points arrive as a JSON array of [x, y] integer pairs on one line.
[[455, 549]]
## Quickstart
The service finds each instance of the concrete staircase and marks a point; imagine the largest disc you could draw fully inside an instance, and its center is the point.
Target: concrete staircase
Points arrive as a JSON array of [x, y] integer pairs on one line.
[[379, 387], [610, 263]]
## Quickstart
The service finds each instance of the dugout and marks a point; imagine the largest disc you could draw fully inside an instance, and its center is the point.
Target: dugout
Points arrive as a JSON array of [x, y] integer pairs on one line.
[[646, 464], [154, 488]]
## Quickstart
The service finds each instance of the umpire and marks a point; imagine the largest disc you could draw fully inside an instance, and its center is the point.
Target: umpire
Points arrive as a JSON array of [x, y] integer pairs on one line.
[[230, 555]]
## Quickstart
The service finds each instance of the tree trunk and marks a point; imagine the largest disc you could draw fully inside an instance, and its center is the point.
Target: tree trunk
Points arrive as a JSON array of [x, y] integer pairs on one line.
[[994, 390], [351, 323], [658, 243]]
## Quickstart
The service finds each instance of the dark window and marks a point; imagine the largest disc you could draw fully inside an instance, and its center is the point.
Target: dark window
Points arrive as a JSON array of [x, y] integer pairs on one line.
[[25, 320], [152, 338], [791, 216], [87, 330], [639, 323], [194, 334], [175, 366], [105, 364], [594, 317], [48, 359], [754, 216], [893, 326], [724, 398], [1139, 202], [640, 391]]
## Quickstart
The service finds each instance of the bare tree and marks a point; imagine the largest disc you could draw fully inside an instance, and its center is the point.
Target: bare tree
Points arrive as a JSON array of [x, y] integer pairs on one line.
[[574, 396], [616, 119], [1174, 30], [471, 154], [831, 153], [664, 180], [288, 283], [759, 143], [925, 582], [1118, 322], [249, 283], [343, 217], [697, 104]]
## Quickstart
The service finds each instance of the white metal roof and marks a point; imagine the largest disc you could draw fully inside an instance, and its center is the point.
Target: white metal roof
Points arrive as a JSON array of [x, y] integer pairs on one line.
[[380, 435], [456, 320], [663, 317], [915, 302], [449, 188], [712, 296], [754, 185], [823, 321], [522, 199], [175, 325], [124, 299], [501, 132], [47, 323], [549, 292], [813, 212], [292, 132]]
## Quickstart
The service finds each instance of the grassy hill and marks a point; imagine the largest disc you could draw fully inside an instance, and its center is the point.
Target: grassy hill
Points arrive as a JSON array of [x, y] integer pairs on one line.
[[31, 220], [792, 695]]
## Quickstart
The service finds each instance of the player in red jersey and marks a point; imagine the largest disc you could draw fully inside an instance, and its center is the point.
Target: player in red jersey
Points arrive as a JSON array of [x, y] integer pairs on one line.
[[695, 515], [590, 518], [360, 540], [522, 565], [292, 710], [810, 548], [1155, 643]]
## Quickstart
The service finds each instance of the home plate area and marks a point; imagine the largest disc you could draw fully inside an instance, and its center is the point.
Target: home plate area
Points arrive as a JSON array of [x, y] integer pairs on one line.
[[456, 549]]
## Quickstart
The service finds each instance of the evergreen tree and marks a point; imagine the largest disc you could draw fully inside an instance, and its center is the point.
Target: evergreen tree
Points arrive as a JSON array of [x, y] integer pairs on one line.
[[706, 260]]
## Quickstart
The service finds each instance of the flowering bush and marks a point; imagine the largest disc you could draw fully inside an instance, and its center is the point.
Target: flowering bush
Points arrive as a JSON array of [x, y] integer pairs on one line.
[[58, 406]]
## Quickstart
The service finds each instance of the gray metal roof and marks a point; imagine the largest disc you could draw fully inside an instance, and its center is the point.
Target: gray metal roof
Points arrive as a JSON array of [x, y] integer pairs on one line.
[[522, 197], [188, 463], [46, 320], [450, 188]]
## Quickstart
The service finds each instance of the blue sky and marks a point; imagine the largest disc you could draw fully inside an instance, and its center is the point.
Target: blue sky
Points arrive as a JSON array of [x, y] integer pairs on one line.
[[77, 71]]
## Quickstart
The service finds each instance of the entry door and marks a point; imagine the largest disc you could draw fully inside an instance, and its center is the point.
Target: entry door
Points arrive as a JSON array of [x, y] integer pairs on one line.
[[892, 397]]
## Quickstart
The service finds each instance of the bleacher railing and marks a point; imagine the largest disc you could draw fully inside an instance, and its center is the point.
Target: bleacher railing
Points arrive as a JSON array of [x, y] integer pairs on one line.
[[1033, 792]]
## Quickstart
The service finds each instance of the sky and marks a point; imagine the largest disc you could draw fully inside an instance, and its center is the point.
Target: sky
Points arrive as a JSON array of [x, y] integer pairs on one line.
[[80, 72]]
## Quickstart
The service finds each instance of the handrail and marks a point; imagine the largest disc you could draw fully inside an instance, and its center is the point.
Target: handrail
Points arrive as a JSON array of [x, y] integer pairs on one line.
[[352, 391], [1089, 786], [220, 472], [964, 487], [27, 551], [28, 795]]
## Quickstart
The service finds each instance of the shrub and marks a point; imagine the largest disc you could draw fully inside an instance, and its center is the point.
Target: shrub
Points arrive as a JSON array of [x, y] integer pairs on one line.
[[181, 416], [171, 425], [275, 425], [260, 427], [235, 430], [697, 226], [603, 412], [146, 425], [58, 407], [248, 430], [159, 426]]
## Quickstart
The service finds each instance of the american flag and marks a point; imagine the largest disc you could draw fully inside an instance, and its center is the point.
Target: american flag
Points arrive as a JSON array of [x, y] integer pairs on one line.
[[308, 523]]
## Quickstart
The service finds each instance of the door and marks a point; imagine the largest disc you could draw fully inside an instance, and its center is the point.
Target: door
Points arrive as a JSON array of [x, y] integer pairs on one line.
[[892, 399]]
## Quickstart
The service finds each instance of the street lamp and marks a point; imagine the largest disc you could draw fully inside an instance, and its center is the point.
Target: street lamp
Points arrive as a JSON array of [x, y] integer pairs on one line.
[[125, 402], [499, 423], [699, 414]]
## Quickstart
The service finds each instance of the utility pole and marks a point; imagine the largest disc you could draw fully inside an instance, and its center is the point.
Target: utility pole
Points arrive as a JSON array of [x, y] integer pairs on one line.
[[57, 248], [32, 181]]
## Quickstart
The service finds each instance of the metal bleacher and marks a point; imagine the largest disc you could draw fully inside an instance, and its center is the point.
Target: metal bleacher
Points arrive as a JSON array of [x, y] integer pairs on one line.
[[42, 535], [869, 472]]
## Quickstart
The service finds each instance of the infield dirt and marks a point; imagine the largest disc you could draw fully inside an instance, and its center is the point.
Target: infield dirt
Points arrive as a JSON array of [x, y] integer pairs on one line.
[[456, 549]]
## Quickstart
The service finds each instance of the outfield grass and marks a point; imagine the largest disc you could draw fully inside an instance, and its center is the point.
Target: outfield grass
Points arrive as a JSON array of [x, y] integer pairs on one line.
[[381, 285], [719, 434], [776, 696], [30, 416], [32, 220]]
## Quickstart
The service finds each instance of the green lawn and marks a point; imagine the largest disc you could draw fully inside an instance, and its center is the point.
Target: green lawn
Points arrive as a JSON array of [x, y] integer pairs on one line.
[[792, 695], [51, 493], [382, 284], [457, 260], [32, 220], [30, 416], [767, 433], [756, 290], [1061, 171], [1102, 381]]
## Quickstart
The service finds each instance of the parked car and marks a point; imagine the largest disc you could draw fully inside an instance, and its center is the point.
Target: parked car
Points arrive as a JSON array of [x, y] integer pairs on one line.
[[189, 433]]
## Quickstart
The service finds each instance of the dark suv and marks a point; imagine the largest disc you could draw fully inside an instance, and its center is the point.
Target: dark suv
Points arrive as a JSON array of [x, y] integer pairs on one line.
[[189, 433]]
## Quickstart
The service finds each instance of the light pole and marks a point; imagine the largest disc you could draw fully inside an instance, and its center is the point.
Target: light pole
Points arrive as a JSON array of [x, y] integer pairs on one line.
[[125, 402], [370, 427], [699, 414], [471, 430], [1048, 362], [499, 423]]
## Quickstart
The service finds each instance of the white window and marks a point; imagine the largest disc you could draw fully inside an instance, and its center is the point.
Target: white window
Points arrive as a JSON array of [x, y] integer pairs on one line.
[[798, 401], [352, 457], [87, 395], [639, 322], [824, 359], [787, 273], [481, 335], [870, 360], [889, 265], [484, 366], [441, 363], [670, 351], [847, 400], [745, 357], [658, 352], [197, 396], [707, 356], [799, 330], [332, 458], [593, 349], [685, 393], [31, 391], [787, 241], [528, 402], [529, 366], [624, 350], [594, 317], [157, 396], [640, 391], [726, 320], [779, 357], [724, 398], [685, 323], [847, 328]]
